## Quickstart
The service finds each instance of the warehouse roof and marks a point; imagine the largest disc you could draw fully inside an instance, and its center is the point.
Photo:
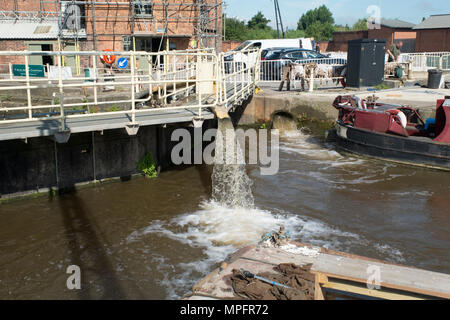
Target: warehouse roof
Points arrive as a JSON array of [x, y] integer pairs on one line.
[[11, 29], [441, 21], [396, 24]]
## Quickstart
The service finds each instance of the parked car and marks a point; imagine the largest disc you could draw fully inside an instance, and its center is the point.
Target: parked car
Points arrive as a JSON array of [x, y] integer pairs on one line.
[[270, 55], [273, 53], [241, 57]]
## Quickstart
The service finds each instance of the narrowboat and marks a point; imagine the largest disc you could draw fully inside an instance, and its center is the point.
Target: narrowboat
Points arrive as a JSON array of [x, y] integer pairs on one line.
[[394, 132]]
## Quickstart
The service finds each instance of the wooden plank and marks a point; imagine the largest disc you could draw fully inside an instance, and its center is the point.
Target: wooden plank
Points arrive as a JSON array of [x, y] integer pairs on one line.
[[276, 256], [318, 292], [391, 276], [382, 294]]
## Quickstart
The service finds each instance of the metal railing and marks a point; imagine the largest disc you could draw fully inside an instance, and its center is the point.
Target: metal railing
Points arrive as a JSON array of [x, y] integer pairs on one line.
[[422, 62], [239, 78], [322, 73], [151, 82]]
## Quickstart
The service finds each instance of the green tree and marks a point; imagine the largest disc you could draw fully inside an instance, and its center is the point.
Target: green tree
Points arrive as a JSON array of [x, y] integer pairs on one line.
[[258, 22], [235, 30], [341, 28], [292, 34], [320, 31], [321, 14], [360, 25], [268, 33], [317, 23]]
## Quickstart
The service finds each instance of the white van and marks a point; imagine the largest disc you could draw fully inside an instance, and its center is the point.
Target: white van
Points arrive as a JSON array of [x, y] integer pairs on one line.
[[243, 58], [304, 43]]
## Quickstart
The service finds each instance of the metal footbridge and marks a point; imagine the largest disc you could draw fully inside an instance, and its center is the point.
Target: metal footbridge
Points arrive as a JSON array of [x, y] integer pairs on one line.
[[152, 89]]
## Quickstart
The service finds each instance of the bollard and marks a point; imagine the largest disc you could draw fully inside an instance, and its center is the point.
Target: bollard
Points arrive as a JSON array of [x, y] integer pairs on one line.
[[410, 75]]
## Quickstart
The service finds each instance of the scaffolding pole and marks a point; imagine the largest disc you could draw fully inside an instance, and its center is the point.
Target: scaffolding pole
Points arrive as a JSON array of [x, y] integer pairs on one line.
[[204, 20]]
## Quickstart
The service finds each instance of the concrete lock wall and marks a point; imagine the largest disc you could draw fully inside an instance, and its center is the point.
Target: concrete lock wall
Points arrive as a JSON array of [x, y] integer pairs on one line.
[[40, 164], [261, 109]]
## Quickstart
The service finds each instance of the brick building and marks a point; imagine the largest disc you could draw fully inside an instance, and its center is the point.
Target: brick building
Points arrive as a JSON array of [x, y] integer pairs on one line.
[[340, 40], [390, 30], [394, 31], [120, 25], [433, 34]]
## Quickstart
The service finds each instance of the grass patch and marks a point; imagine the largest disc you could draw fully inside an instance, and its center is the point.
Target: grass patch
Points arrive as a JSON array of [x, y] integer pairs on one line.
[[7, 97], [113, 109], [382, 86], [148, 165]]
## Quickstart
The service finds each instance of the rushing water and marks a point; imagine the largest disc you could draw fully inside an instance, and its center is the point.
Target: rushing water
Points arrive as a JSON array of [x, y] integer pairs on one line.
[[153, 239], [231, 186]]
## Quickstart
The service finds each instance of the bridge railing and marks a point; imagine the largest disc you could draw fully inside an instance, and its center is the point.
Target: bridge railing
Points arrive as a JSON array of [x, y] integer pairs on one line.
[[141, 82], [240, 74], [29, 92]]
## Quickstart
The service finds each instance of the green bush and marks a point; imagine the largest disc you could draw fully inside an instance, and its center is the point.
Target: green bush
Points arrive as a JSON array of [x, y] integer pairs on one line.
[[148, 165]]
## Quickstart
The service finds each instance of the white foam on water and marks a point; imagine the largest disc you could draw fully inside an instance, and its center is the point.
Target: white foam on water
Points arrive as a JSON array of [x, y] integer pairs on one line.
[[219, 231], [299, 142], [329, 166], [394, 254]]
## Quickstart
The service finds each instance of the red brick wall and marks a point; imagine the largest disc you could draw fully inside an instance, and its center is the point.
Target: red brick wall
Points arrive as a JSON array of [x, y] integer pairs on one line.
[[324, 46], [383, 33], [230, 45], [11, 45], [433, 40], [391, 34], [26, 5], [112, 22], [341, 39]]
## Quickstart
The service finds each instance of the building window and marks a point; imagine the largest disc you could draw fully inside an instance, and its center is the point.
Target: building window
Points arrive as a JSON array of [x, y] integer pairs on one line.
[[126, 41], [143, 7]]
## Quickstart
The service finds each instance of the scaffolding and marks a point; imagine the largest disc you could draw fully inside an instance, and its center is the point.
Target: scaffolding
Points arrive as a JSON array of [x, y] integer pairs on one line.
[[202, 17]]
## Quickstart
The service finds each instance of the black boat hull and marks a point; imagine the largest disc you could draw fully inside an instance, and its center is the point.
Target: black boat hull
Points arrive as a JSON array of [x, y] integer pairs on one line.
[[408, 150]]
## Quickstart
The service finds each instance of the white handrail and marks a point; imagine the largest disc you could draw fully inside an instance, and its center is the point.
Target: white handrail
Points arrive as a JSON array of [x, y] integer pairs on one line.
[[176, 77]]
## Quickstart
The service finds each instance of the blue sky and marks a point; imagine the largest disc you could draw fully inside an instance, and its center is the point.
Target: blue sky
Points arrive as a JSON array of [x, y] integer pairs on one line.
[[344, 11]]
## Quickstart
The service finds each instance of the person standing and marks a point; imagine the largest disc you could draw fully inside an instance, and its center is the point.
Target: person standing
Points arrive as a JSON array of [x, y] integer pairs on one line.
[[394, 51]]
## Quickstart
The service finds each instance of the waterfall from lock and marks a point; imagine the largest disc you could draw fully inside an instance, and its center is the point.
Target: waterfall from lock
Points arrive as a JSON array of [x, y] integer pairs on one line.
[[231, 186]]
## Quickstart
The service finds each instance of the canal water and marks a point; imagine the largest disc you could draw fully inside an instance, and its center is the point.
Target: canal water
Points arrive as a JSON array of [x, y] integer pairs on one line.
[[153, 239]]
